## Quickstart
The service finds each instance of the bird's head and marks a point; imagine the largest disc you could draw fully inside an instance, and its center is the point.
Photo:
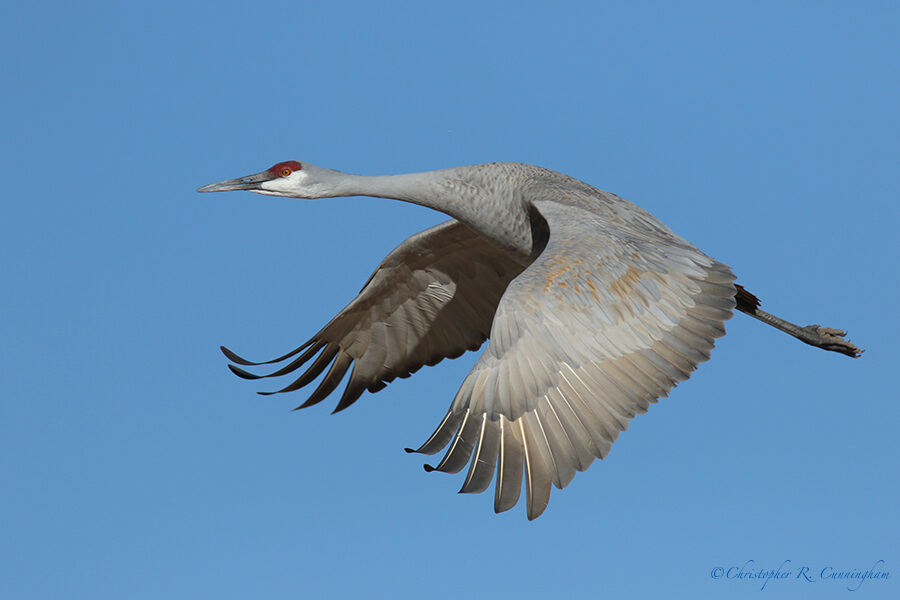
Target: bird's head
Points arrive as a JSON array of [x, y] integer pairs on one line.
[[289, 178]]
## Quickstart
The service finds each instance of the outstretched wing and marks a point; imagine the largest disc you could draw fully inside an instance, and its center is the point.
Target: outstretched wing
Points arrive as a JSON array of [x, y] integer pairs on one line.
[[606, 320], [433, 297]]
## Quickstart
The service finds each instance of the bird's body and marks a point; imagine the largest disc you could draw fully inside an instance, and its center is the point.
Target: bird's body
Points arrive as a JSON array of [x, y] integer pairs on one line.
[[593, 307]]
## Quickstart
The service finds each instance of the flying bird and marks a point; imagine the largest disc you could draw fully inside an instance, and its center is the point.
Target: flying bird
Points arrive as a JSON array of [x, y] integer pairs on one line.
[[592, 307]]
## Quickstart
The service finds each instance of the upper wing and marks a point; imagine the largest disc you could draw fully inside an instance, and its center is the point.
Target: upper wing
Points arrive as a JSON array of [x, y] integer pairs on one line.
[[433, 297], [605, 321]]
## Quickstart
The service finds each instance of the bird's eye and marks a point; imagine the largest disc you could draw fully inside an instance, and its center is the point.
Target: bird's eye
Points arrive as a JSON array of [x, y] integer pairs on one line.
[[285, 172]]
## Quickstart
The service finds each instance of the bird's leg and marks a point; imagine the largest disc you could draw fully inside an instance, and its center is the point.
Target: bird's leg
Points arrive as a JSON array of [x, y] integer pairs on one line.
[[820, 337]]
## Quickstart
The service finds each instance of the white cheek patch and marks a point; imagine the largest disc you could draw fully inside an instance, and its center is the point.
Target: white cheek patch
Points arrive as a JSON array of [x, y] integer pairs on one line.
[[283, 186], [297, 178]]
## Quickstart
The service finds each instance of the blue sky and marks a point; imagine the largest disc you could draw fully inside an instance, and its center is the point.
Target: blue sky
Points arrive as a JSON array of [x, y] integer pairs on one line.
[[136, 466]]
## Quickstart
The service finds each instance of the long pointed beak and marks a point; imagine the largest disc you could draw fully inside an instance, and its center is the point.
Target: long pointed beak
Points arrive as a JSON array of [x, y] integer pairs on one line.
[[250, 182]]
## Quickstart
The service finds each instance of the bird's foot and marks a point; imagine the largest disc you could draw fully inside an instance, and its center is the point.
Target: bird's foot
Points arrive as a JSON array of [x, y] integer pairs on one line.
[[831, 339]]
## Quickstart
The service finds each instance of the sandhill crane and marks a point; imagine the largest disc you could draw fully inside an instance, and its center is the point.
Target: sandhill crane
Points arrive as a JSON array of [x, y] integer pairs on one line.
[[593, 307]]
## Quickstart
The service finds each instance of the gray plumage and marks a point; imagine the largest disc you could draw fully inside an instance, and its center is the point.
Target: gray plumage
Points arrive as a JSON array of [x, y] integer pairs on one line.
[[593, 307]]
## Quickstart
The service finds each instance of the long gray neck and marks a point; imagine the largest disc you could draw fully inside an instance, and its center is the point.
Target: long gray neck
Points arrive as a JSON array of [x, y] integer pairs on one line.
[[469, 194], [424, 189]]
